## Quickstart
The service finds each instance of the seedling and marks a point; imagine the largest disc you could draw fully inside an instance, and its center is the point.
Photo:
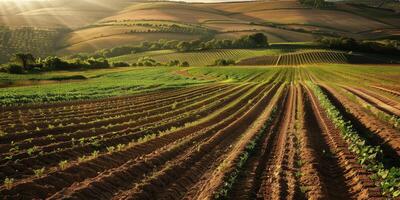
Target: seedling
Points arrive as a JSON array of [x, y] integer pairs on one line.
[[8, 183], [63, 164], [39, 172]]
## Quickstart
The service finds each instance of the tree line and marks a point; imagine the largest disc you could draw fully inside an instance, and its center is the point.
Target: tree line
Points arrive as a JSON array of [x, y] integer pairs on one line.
[[315, 3], [26, 63], [256, 40], [389, 47]]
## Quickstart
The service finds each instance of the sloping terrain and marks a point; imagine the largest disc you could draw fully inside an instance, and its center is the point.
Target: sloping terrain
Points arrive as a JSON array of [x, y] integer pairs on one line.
[[282, 21], [274, 133], [100, 24]]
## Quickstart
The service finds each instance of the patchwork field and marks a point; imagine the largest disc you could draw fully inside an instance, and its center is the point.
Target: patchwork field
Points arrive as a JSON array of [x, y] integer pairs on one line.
[[127, 99], [96, 25], [226, 132]]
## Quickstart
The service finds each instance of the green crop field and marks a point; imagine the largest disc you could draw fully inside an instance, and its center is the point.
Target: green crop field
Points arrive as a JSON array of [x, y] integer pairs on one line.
[[202, 58], [190, 98]]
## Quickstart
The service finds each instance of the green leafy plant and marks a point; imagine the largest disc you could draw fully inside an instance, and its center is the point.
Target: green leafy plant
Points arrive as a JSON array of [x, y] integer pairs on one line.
[[8, 183], [32, 150], [222, 193], [368, 155], [94, 154], [63, 164], [39, 172], [110, 149]]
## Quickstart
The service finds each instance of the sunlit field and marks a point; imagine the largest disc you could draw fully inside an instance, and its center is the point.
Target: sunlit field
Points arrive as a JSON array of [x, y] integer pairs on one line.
[[199, 99]]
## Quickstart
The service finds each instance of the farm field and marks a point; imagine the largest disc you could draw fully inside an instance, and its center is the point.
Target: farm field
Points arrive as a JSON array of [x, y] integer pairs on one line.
[[200, 99], [294, 56], [93, 25], [313, 131], [201, 58]]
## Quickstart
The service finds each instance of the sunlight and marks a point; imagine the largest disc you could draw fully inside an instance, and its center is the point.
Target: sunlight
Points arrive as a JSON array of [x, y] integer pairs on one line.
[[46, 13]]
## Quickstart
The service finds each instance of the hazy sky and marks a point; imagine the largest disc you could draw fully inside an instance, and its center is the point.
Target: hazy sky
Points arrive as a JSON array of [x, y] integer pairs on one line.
[[172, 0]]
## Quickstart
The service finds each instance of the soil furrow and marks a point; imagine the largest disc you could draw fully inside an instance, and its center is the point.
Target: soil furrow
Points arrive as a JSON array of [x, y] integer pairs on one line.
[[342, 170], [190, 168], [84, 172]]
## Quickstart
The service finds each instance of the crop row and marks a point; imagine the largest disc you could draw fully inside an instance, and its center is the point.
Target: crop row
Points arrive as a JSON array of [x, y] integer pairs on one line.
[[254, 92], [98, 137], [85, 116], [368, 156], [301, 58]]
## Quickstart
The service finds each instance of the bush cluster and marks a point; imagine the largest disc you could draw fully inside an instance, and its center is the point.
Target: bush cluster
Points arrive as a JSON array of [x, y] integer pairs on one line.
[[223, 62], [389, 47]]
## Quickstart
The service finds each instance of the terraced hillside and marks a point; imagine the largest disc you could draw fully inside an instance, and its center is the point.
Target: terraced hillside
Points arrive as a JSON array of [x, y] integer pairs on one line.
[[247, 133]]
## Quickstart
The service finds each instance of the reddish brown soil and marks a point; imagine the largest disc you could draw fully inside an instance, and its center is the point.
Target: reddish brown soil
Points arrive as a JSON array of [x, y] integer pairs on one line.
[[389, 90], [344, 177], [301, 155], [384, 135], [384, 104]]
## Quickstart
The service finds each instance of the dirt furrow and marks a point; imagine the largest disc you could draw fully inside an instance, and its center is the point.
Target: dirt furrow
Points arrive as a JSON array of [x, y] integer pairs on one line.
[[342, 175], [94, 121], [112, 109], [120, 137], [379, 102], [190, 167], [140, 118], [310, 145], [84, 171], [213, 181], [279, 180], [374, 131], [394, 92]]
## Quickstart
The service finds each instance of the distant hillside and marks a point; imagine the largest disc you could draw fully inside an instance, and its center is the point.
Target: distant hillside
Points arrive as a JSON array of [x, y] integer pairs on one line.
[[103, 24]]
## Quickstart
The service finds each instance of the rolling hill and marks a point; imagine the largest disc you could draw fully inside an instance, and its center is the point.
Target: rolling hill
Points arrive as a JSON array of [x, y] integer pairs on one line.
[[94, 25]]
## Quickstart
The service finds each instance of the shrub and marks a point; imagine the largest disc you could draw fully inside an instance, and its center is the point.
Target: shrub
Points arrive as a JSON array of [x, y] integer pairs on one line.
[[172, 63], [223, 62], [120, 64], [15, 69], [344, 43], [185, 64]]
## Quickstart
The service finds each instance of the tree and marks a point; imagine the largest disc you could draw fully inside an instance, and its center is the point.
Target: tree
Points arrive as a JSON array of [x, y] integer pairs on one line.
[[185, 64], [25, 59], [54, 63], [15, 69], [223, 62], [120, 64], [172, 63], [259, 40], [183, 46]]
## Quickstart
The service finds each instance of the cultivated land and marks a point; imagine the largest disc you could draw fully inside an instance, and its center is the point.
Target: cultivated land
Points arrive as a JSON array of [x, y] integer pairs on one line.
[[225, 132], [89, 26], [210, 119]]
